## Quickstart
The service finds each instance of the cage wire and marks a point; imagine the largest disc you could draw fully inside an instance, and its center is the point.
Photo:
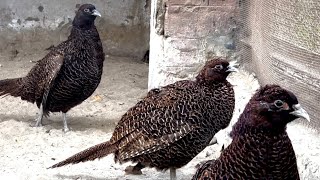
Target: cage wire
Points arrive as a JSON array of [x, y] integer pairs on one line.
[[279, 40]]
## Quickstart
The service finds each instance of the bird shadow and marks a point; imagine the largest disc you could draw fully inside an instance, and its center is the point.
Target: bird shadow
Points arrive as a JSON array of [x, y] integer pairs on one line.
[[75, 123], [120, 177], [82, 177]]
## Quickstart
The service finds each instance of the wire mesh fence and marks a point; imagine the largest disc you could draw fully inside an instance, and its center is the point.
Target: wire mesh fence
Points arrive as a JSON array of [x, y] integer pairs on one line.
[[279, 40]]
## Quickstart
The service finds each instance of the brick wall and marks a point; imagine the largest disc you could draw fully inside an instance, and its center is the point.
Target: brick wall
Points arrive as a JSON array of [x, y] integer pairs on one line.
[[184, 34]]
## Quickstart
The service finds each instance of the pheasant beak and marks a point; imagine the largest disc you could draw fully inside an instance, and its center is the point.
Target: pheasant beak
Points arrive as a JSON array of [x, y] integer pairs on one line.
[[96, 13], [233, 67], [300, 112]]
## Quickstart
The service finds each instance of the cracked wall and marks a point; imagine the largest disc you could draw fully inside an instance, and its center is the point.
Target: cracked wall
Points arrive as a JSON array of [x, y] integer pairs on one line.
[[31, 26]]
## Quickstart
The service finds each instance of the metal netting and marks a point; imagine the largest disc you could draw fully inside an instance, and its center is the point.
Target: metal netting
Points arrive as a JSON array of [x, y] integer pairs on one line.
[[279, 40]]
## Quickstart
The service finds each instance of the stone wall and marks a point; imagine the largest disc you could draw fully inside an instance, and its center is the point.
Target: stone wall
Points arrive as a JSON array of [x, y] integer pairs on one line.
[[184, 34], [30, 26]]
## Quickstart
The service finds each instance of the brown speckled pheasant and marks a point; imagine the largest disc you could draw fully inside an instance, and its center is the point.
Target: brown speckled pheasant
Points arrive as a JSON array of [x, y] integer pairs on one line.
[[261, 148], [172, 124], [68, 74]]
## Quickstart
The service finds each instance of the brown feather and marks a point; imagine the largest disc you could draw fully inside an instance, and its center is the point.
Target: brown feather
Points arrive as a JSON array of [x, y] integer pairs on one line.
[[97, 151], [261, 148], [68, 74], [172, 124]]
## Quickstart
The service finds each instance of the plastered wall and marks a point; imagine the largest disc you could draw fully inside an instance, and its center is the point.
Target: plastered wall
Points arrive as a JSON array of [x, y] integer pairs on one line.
[[30, 26]]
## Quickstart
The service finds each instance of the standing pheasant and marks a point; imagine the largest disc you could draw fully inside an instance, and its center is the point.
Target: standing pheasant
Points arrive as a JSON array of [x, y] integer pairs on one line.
[[172, 124], [68, 74], [261, 148]]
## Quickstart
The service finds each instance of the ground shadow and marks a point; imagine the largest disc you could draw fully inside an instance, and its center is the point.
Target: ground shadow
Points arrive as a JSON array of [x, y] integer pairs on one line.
[[82, 177], [75, 123], [146, 175]]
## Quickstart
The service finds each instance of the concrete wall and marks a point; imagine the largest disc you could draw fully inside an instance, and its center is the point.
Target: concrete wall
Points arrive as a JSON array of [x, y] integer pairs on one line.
[[184, 34], [32, 25]]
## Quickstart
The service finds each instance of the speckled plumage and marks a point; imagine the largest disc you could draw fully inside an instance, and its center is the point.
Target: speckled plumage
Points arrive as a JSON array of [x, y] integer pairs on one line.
[[68, 74], [172, 124], [261, 148]]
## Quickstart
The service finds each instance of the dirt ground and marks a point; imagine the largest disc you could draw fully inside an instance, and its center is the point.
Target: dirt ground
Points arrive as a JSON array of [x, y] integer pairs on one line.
[[26, 152]]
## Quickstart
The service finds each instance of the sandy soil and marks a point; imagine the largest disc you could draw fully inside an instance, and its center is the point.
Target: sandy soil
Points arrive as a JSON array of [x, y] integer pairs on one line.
[[26, 152]]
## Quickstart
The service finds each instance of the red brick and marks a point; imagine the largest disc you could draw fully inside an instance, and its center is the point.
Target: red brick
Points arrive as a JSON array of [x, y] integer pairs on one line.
[[197, 21], [188, 2], [223, 2]]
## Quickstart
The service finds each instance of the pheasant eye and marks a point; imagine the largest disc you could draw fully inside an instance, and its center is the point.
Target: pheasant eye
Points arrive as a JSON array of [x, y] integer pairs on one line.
[[86, 10], [219, 67], [278, 103]]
